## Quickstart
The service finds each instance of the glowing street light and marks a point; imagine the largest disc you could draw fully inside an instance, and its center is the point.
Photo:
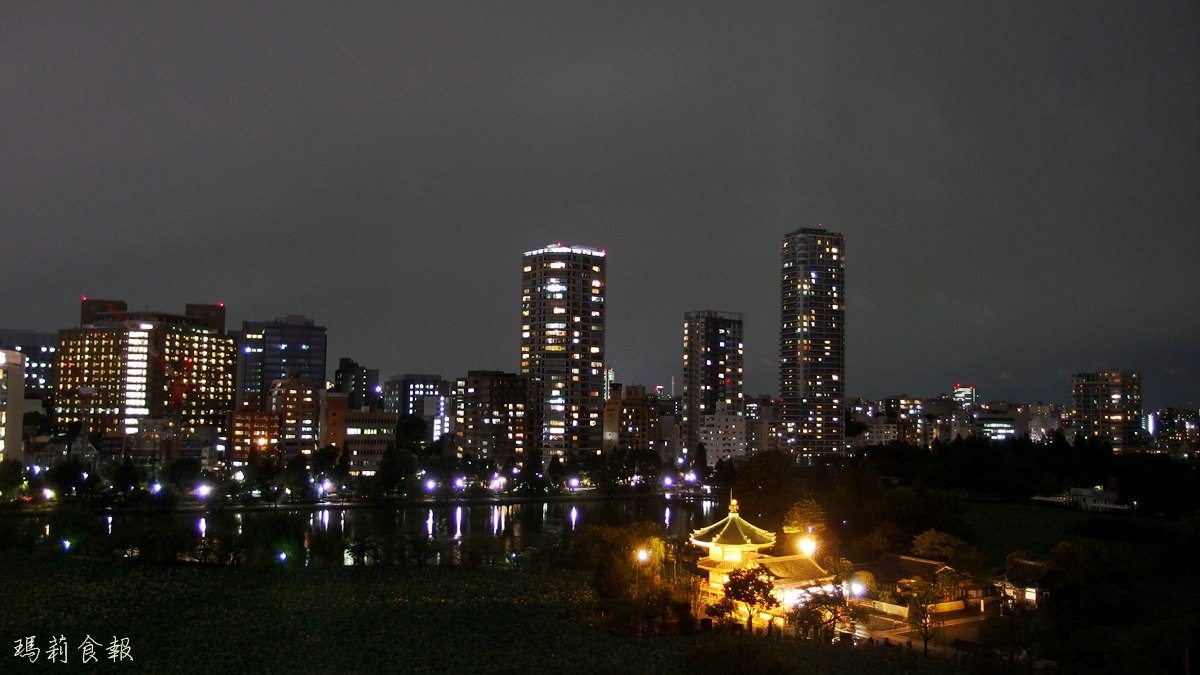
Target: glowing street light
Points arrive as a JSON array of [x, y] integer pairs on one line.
[[642, 556], [808, 546]]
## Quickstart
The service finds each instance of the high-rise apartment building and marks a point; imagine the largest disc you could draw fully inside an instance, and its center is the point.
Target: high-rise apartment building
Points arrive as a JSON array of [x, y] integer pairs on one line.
[[289, 347], [562, 348], [489, 417], [297, 402], [712, 368], [1108, 405], [812, 340], [631, 420], [121, 369]]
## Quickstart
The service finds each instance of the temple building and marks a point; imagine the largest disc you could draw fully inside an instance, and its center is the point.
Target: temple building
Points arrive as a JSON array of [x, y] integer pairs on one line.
[[734, 543]]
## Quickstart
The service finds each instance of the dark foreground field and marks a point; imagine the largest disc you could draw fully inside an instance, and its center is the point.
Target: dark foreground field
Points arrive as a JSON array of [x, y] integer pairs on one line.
[[363, 620]]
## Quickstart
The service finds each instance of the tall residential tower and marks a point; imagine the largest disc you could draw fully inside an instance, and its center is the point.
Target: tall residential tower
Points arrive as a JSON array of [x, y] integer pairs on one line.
[[812, 340], [562, 348], [712, 368], [1108, 405]]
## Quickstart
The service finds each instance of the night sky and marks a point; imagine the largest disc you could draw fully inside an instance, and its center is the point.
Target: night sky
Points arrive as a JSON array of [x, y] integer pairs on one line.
[[1019, 182]]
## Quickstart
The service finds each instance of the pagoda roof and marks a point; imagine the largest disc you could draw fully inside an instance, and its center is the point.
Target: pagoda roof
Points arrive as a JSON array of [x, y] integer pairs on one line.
[[1026, 573], [733, 531], [793, 568], [892, 568]]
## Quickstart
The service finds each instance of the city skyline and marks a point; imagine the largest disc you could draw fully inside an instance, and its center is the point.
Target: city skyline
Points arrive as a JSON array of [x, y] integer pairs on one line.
[[1017, 182]]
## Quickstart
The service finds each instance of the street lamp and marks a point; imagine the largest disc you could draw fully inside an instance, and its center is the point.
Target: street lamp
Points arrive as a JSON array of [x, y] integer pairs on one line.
[[642, 556], [808, 546]]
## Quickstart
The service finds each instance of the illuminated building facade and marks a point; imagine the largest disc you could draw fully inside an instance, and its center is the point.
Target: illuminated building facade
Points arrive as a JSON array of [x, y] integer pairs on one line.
[[631, 420], [723, 434], [424, 396], [290, 347], [1108, 405], [763, 424], [40, 351], [965, 394], [126, 367], [297, 402], [12, 404], [253, 430], [812, 339], [562, 348], [490, 416], [712, 368], [368, 435]]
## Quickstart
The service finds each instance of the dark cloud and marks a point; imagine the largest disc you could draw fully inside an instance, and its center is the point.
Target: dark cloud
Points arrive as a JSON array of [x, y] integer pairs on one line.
[[1018, 181]]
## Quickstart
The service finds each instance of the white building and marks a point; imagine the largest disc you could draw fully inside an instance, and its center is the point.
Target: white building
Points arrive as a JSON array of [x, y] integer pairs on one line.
[[723, 434], [12, 404]]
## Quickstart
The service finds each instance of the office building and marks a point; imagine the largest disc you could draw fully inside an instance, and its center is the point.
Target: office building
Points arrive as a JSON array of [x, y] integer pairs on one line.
[[361, 436], [423, 396], [562, 348], [812, 340], [40, 351], [712, 368], [121, 370], [359, 384], [289, 347]]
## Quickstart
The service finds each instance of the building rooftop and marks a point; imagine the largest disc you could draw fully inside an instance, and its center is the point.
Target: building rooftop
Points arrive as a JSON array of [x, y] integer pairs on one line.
[[733, 531]]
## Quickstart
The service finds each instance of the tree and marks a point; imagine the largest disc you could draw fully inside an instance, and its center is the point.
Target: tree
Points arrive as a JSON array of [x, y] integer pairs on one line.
[[392, 469], [766, 486], [183, 473], [410, 432], [920, 611], [946, 548], [752, 588], [126, 477], [67, 477], [720, 610], [817, 615], [1011, 637], [948, 584], [837, 565], [10, 475], [937, 545], [805, 517]]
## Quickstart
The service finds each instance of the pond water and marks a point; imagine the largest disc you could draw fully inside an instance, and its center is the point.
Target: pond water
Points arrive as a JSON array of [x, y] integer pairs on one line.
[[346, 535]]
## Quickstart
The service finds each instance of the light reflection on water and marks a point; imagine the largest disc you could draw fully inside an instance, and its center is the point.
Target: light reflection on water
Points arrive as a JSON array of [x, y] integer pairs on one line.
[[393, 529]]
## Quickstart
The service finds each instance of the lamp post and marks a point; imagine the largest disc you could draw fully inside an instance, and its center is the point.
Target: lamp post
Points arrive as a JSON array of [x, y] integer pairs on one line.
[[642, 556]]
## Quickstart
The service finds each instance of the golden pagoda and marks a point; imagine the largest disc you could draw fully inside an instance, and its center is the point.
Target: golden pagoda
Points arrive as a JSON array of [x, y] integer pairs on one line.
[[732, 543]]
